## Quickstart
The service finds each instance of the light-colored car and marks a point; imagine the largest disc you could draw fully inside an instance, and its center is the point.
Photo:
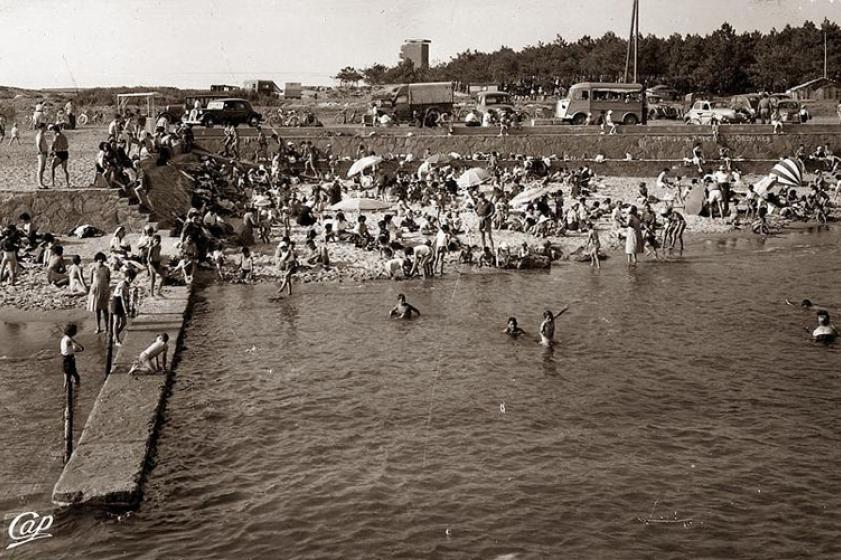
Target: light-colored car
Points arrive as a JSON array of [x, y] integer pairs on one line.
[[703, 112], [789, 110], [498, 101]]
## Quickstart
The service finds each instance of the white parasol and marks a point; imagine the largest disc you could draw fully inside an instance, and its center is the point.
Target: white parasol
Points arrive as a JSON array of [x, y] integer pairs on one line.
[[360, 205], [362, 164]]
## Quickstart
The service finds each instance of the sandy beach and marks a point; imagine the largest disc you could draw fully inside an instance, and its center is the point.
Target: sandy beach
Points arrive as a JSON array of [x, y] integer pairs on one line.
[[348, 263], [18, 161]]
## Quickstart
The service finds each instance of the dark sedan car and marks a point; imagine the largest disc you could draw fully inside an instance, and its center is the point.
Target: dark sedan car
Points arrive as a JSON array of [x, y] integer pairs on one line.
[[228, 111]]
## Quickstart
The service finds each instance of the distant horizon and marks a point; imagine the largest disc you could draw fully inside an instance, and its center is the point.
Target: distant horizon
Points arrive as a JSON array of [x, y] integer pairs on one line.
[[192, 44]]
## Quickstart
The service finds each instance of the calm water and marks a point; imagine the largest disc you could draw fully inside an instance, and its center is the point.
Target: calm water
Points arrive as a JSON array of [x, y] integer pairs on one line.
[[32, 402], [317, 428]]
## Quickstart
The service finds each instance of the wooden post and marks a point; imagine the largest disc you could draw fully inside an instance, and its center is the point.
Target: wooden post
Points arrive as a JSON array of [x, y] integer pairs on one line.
[[109, 350], [68, 420]]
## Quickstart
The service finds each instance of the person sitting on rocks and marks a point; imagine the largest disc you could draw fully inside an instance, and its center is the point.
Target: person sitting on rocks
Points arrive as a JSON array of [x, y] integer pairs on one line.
[[9, 244], [56, 270], [28, 228]]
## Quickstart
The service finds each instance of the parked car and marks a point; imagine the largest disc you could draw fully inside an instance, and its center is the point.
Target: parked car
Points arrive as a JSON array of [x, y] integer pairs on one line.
[[664, 92], [703, 112], [658, 109], [498, 101], [789, 110], [231, 110], [746, 104], [176, 112]]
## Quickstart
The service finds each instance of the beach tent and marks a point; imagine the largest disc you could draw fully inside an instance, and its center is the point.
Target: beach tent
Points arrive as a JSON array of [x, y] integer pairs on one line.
[[788, 172], [360, 205], [473, 177], [362, 164]]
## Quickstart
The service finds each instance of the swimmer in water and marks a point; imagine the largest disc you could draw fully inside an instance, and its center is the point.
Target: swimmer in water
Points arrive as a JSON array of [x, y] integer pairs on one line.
[[512, 329], [547, 327], [403, 309], [807, 305], [825, 330]]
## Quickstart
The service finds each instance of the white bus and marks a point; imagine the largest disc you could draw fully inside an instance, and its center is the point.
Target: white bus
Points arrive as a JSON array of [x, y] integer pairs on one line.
[[586, 101]]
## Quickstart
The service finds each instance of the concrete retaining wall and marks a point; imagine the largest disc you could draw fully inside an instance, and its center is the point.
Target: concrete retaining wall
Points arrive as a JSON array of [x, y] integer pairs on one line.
[[652, 146], [169, 192], [61, 210], [113, 455]]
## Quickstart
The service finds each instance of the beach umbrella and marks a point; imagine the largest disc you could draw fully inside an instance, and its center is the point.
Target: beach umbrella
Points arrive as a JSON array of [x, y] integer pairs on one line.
[[360, 205], [362, 164], [435, 159], [762, 186], [262, 202], [473, 177], [424, 168], [533, 194], [788, 172]]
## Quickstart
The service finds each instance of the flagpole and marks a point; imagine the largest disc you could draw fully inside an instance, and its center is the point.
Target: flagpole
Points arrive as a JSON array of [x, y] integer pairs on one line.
[[824, 53], [636, 35], [630, 39]]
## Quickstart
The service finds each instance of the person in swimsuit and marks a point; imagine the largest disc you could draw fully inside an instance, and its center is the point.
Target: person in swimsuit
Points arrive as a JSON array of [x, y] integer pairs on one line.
[[512, 329], [825, 331], [154, 264], [287, 263], [120, 304], [43, 150], [403, 309], [547, 327], [69, 347], [60, 152], [246, 266], [155, 350], [593, 245]]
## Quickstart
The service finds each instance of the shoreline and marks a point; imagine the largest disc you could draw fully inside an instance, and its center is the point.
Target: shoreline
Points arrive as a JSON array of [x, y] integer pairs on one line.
[[353, 265]]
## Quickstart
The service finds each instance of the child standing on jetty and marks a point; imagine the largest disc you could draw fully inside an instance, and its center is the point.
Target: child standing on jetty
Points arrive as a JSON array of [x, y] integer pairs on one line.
[[156, 349], [69, 347]]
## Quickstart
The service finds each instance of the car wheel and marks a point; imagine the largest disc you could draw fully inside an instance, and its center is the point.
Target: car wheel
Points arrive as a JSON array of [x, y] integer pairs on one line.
[[431, 119], [255, 122], [630, 119], [208, 122], [579, 119]]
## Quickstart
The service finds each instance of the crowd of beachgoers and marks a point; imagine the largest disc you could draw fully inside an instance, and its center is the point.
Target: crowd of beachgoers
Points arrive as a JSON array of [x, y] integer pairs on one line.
[[282, 213]]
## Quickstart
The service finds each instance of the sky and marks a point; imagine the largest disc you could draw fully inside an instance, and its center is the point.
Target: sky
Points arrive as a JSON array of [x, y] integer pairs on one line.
[[193, 43]]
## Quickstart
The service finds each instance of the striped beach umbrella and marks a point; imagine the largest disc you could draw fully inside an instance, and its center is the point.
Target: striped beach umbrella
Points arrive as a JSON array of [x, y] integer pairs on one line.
[[788, 172]]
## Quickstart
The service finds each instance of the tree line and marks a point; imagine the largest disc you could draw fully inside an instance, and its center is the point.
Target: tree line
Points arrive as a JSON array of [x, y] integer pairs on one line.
[[722, 62]]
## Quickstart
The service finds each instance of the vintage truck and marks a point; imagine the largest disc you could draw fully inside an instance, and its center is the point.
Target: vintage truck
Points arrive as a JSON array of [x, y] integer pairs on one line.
[[427, 100]]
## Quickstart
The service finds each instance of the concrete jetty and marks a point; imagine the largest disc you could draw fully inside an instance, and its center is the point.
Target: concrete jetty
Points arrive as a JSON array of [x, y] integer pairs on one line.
[[113, 454]]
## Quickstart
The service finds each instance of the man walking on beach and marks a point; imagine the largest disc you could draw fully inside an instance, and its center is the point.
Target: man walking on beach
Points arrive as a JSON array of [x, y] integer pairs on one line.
[[43, 150], [60, 154]]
